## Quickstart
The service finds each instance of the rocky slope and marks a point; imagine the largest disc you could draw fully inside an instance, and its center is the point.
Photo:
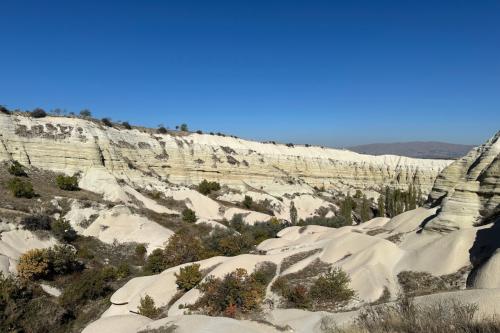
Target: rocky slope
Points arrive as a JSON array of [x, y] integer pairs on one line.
[[468, 189], [73, 145]]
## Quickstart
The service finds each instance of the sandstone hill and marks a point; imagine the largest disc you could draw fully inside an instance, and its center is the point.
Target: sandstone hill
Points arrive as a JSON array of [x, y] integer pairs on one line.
[[139, 189]]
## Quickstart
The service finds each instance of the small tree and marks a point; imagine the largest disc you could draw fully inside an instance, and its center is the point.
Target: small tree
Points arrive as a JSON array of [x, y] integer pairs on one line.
[[126, 125], [33, 265], [140, 251], [381, 206], [147, 307], [365, 209], [206, 187], [293, 213], [63, 230], [188, 277], [162, 130], [67, 183], [188, 215], [17, 169], [247, 201], [107, 122], [38, 113], [20, 188], [4, 110], [85, 113], [184, 127], [332, 289], [36, 222]]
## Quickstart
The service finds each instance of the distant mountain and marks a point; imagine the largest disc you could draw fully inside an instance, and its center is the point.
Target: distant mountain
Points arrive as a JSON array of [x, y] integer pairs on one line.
[[417, 149]]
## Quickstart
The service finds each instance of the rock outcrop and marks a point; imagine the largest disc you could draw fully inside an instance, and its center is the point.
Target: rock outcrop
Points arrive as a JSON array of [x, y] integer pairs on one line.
[[73, 145], [468, 189]]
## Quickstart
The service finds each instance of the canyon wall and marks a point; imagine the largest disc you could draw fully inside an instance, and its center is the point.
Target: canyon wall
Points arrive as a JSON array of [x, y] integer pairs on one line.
[[72, 145]]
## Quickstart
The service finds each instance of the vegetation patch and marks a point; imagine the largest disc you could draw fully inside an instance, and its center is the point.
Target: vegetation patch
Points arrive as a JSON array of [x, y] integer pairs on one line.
[[422, 283], [295, 258]]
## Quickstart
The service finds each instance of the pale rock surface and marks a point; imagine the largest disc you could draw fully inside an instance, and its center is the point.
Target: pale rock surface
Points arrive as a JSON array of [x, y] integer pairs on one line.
[[15, 242], [73, 145], [468, 188], [121, 225], [488, 275]]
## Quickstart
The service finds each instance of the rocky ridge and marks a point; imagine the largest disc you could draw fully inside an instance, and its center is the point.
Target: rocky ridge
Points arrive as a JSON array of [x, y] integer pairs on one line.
[[72, 145]]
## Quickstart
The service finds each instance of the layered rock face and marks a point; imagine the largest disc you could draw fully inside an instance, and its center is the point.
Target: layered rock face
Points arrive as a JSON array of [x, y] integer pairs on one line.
[[468, 189], [73, 145]]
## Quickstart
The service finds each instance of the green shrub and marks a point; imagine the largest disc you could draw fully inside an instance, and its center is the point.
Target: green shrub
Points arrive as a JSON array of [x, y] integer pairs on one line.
[[188, 215], [206, 187], [107, 122], [67, 183], [86, 113], [126, 125], [188, 277], [92, 284], [147, 307], [21, 188], [298, 297], [331, 290], [17, 169], [36, 222], [38, 113], [4, 110], [236, 292], [123, 270], [155, 262], [63, 230], [247, 202], [62, 260], [184, 127], [162, 130], [140, 251], [331, 222]]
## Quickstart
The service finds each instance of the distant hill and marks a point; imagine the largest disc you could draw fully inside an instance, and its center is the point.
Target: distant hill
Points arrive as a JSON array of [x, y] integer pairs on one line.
[[417, 149]]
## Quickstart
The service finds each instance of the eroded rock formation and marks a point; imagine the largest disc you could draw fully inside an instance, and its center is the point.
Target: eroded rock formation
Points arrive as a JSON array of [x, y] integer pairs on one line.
[[468, 189], [73, 145]]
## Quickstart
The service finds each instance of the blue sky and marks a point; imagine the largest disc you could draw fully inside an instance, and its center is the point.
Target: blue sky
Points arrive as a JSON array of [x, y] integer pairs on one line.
[[335, 73]]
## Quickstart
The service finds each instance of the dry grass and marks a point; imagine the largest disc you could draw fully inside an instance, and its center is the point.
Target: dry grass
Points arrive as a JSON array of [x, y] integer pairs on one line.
[[405, 316], [295, 258]]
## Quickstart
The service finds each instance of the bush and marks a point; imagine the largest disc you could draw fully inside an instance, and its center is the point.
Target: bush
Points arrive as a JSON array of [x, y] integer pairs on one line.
[[20, 188], [199, 132], [63, 230], [206, 187], [86, 113], [91, 285], [162, 130], [331, 222], [147, 307], [406, 317], [62, 260], [188, 277], [182, 248], [126, 125], [38, 113], [107, 122], [184, 127], [236, 292], [140, 251], [17, 169], [36, 222], [298, 297], [188, 215], [4, 110], [33, 265], [123, 270], [332, 290], [247, 201], [67, 183], [155, 262]]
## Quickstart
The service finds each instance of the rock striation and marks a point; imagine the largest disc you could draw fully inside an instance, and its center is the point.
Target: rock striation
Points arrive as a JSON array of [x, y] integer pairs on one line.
[[468, 189], [72, 145]]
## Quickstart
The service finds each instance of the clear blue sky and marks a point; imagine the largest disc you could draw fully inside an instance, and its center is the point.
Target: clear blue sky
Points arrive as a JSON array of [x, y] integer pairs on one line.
[[322, 72]]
